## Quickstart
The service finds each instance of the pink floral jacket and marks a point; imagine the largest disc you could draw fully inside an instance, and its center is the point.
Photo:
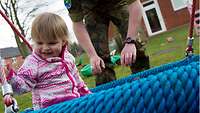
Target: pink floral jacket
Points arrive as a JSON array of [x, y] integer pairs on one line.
[[51, 80]]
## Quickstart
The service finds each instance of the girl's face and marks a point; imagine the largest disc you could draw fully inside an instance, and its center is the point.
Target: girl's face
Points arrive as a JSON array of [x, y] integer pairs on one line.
[[48, 48]]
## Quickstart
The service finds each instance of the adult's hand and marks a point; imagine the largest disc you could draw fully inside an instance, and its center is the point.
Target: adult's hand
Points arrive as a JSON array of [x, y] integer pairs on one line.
[[85, 42], [97, 64], [128, 54]]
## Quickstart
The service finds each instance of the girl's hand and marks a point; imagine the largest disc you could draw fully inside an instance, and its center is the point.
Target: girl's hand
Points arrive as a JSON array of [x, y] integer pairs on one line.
[[8, 100]]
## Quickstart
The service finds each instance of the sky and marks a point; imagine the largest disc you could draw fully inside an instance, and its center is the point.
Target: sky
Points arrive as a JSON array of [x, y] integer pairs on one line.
[[56, 6]]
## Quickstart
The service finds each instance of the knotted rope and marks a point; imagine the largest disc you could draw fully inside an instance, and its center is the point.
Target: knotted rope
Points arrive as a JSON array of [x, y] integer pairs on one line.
[[170, 88]]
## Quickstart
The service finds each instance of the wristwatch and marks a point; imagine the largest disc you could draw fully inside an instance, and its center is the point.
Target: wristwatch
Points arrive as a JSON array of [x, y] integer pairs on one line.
[[129, 40]]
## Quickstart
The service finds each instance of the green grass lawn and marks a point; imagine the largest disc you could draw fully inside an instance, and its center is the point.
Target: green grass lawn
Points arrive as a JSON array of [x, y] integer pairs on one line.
[[159, 50]]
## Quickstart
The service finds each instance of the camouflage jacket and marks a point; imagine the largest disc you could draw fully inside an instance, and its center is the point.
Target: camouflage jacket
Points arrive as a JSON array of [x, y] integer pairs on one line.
[[81, 8]]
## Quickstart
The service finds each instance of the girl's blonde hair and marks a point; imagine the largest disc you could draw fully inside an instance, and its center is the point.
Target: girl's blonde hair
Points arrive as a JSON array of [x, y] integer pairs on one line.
[[49, 26]]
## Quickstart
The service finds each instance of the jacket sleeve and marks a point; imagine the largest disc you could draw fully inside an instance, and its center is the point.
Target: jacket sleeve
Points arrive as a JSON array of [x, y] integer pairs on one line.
[[75, 12], [82, 88], [24, 79]]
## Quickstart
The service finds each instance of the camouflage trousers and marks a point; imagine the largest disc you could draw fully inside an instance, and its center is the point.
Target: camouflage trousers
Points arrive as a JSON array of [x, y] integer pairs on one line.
[[97, 24]]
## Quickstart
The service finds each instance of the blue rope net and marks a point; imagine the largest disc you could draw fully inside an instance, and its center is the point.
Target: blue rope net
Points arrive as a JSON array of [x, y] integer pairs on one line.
[[170, 88]]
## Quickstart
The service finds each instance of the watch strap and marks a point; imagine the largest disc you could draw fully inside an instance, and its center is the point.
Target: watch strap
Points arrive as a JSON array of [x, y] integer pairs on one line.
[[129, 40]]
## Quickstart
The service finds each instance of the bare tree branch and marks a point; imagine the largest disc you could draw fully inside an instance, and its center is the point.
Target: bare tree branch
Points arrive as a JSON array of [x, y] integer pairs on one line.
[[21, 18], [4, 8], [13, 3], [28, 15], [10, 8]]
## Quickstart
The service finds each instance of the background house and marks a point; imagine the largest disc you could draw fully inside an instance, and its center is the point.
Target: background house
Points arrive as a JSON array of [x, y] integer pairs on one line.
[[11, 55], [162, 15]]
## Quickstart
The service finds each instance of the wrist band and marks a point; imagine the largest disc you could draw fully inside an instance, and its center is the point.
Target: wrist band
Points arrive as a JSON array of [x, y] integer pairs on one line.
[[6, 89], [129, 40]]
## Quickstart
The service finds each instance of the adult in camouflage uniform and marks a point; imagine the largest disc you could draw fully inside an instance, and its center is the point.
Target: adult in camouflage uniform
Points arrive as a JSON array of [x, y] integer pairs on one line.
[[91, 20]]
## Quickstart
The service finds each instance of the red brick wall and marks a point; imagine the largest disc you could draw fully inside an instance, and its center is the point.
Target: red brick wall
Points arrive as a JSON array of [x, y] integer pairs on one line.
[[173, 18]]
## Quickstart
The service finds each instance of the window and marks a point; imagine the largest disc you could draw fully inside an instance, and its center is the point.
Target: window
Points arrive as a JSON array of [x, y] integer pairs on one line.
[[14, 60], [178, 4], [153, 20]]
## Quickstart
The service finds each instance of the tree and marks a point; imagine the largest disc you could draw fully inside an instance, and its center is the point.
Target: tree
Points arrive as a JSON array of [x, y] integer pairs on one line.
[[12, 11]]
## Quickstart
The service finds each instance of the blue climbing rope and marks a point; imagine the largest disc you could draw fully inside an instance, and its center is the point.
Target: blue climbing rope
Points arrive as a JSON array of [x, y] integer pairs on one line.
[[170, 88]]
